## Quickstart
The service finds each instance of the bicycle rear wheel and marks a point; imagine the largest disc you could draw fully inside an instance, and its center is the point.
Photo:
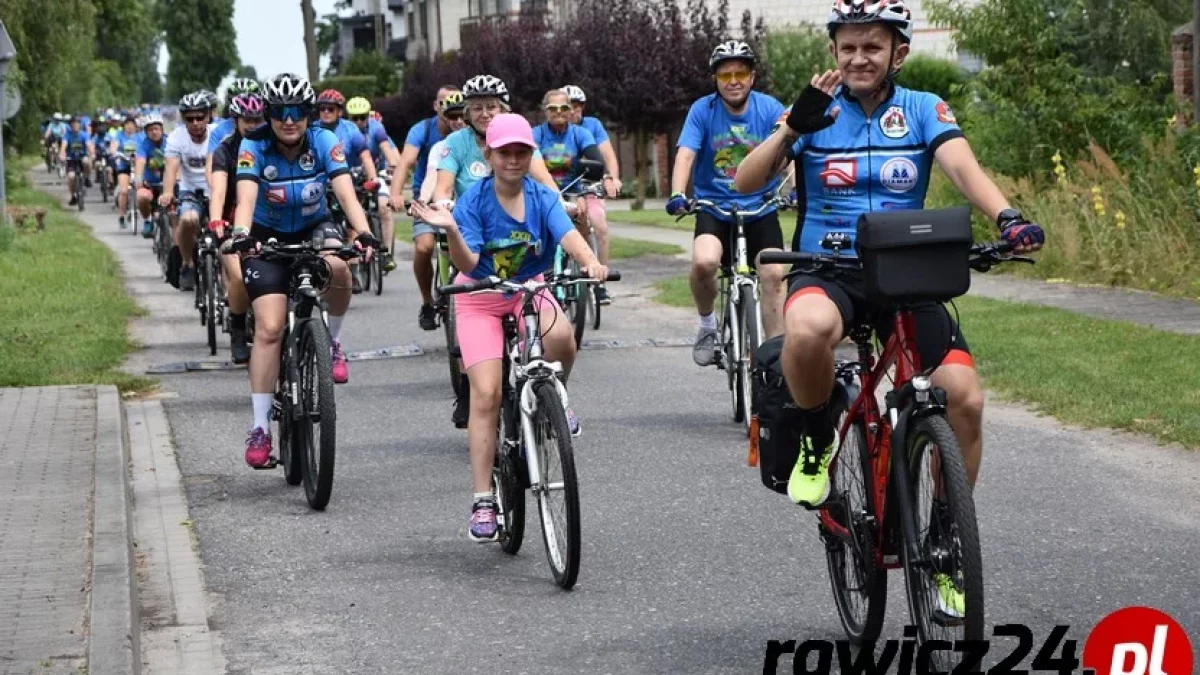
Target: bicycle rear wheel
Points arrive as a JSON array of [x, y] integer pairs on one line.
[[318, 422], [558, 491], [510, 489], [859, 587], [948, 537]]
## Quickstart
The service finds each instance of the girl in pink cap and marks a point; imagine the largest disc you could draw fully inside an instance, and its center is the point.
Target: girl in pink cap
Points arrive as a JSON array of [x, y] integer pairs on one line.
[[506, 225]]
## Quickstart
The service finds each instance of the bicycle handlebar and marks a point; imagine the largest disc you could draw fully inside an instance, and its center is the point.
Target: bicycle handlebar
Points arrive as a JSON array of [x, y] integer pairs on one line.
[[778, 201], [981, 258], [531, 286], [272, 249]]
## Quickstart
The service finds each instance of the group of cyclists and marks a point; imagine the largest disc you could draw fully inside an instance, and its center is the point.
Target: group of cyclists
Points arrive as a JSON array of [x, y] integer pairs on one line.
[[491, 184]]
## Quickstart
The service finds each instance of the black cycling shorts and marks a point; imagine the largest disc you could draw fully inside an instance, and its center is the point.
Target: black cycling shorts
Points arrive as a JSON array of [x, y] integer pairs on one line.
[[760, 234], [939, 340], [269, 278]]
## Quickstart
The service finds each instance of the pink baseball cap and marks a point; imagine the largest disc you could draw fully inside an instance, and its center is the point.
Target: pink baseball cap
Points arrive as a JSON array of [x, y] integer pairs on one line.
[[509, 128]]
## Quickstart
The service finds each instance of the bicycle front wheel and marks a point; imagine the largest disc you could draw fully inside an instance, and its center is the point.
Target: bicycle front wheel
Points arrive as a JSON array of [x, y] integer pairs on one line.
[[209, 278], [318, 419], [510, 489], [948, 539], [748, 342], [577, 305], [859, 587], [558, 490], [595, 306]]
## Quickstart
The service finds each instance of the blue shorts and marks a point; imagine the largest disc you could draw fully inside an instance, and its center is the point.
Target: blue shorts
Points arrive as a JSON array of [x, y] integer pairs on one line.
[[420, 228], [189, 202]]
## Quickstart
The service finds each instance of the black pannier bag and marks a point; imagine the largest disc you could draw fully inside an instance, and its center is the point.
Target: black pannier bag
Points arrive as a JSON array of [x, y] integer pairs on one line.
[[779, 420], [913, 256]]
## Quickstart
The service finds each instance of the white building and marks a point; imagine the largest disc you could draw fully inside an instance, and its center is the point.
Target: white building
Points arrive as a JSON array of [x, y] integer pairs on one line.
[[371, 25]]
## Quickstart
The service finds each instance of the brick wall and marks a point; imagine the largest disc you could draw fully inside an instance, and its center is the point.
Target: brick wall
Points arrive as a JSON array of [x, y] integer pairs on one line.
[[1181, 72]]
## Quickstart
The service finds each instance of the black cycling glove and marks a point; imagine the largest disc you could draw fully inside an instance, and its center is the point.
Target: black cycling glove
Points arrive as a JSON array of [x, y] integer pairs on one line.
[[808, 112]]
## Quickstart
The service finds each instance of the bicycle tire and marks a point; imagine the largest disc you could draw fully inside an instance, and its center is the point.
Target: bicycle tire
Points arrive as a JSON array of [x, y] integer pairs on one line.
[[550, 420], [362, 269], [870, 581], [510, 490], [595, 305], [315, 366], [376, 270], [730, 358], [748, 340], [451, 327], [965, 555], [291, 445], [578, 295], [210, 301]]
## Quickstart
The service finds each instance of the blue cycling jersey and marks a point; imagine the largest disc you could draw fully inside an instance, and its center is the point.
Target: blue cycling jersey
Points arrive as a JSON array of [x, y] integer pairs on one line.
[[352, 141], [291, 193], [376, 137], [219, 132], [423, 136], [155, 156], [596, 127], [868, 163], [77, 142], [561, 149]]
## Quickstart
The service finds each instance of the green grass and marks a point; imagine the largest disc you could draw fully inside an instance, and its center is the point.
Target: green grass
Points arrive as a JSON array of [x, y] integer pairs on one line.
[[1082, 370], [64, 300], [674, 291], [657, 218], [622, 248]]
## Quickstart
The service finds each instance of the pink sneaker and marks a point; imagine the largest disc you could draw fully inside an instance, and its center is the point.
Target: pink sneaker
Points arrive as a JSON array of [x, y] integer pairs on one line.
[[341, 372], [258, 448]]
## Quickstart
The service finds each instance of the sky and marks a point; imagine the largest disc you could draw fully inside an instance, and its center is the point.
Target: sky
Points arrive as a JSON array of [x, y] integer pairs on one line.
[[270, 35]]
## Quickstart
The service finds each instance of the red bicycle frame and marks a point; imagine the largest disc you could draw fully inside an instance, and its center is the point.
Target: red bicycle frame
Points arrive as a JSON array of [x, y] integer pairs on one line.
[[900, 350]]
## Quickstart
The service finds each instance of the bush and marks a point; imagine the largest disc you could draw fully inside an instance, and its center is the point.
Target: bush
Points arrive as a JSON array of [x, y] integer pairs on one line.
[[375, 65], [794, 53], [349, 85], [928, 73]]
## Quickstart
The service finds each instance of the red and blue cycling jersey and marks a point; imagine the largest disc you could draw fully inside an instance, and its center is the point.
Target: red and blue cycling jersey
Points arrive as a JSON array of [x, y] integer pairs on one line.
[[291, 193], [868, 163]]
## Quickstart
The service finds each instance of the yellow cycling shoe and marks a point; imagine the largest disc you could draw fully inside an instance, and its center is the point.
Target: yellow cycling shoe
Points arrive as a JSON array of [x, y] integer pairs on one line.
[[952, 602], [808, 484]]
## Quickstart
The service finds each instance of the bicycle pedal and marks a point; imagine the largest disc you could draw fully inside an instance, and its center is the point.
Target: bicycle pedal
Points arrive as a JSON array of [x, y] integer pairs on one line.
[[271, 464]]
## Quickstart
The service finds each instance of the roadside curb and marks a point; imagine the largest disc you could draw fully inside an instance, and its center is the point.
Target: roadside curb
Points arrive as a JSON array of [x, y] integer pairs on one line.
[[114, 644]]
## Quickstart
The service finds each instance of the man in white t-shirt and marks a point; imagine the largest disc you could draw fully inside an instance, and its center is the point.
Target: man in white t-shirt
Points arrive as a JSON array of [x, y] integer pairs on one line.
[[187, 156]]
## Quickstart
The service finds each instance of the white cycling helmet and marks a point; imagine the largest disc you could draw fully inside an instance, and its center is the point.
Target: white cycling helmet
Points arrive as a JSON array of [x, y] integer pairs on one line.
[[151, 119], [575, 94], [485, 86], [287, 89], [729, 51], [894, 13], [196, 101]]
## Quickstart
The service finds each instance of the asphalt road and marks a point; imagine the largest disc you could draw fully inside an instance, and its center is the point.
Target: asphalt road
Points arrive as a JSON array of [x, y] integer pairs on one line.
[[688, 564]]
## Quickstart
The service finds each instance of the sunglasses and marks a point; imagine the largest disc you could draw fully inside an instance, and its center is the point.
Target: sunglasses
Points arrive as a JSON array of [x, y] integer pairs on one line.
[[558, 107], [454, 116], [738, 75], [190, 119], [327, 108], [359, 118], [290, 112], [253, 120]]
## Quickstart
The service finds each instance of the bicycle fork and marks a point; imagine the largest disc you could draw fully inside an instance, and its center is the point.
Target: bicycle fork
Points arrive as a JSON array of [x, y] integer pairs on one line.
[[916, 397]]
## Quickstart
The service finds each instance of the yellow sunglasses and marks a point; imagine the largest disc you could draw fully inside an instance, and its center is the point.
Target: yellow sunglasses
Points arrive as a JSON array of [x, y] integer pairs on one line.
[[730, 76]]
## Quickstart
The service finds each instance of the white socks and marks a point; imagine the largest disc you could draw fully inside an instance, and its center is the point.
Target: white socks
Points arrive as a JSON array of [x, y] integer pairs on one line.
[[335, 326], [262, 410], [708, 321], [483, 495]]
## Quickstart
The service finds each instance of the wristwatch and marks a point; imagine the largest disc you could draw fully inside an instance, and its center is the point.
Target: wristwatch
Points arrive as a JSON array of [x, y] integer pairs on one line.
[[1007, 216]]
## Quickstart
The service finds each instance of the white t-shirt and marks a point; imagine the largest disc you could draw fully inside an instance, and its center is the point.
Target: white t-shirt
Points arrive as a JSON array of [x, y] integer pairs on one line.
[[192, 158], [430, 182]]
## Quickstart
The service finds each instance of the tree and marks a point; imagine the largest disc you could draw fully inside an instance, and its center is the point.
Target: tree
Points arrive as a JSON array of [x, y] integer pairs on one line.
[[374, 64], [415, 100], [246, 71], [793, 54], [310, 39], [127, 35], [649, 63], [201, 41]]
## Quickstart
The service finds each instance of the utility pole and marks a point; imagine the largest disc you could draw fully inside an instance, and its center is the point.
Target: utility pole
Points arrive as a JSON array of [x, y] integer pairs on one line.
[[310, 39], [380, 35]]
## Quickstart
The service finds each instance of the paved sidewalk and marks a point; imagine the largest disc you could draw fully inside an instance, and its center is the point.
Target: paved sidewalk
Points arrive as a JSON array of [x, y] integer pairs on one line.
[[65, 562], [1175, 315]]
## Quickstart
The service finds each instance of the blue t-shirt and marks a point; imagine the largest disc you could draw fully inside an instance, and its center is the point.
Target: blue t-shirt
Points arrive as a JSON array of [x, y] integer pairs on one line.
[[507, 247], [462, 156], [352, 141], [560, 150], [596, 127], [377, 137], [76, 142], [155, 155], [219, 132], [127, 145], [863, 164], [59, 129], [422, 136], [291, 193], [721, 141]]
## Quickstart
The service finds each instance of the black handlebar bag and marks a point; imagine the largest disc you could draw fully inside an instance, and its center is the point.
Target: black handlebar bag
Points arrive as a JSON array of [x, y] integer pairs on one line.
[[915, 256]]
